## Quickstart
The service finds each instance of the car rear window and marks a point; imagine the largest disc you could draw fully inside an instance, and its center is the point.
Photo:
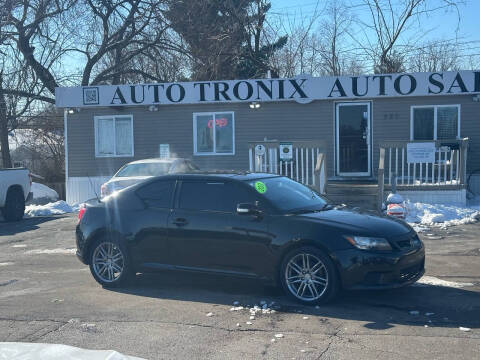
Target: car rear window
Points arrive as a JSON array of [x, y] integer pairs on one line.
[[144, 169], [157, 194]]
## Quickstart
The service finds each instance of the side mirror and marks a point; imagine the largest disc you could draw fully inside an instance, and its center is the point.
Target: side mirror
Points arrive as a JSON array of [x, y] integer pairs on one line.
[[247, 209]]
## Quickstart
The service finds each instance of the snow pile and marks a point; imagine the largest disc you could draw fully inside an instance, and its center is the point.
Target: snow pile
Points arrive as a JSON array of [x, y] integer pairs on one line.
[[42, 191], [55, 208], [439, 215], [30, 351], [431, 280], [50, 251]]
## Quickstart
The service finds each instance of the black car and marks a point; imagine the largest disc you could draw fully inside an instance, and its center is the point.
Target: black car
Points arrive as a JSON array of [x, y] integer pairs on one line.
[[253, 225]]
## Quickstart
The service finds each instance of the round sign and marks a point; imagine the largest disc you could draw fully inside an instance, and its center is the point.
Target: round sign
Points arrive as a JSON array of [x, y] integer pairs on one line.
[[259, 150], [260, 187]]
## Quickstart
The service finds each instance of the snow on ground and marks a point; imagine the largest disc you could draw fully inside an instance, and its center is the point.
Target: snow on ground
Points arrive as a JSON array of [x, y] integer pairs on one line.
[[42, 191], [55, 208], [421, 215], [39, 351], [50, 251], [431, 280]]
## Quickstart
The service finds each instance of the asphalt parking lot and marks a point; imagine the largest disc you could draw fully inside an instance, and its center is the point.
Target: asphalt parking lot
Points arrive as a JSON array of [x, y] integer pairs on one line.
[[48, 296]]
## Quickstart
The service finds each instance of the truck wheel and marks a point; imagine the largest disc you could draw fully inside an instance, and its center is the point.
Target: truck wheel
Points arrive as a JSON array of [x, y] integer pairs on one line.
[[14, 205]]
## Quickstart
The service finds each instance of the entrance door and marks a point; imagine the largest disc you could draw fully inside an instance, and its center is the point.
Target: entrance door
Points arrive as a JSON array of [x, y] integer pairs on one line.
[[353, 139]]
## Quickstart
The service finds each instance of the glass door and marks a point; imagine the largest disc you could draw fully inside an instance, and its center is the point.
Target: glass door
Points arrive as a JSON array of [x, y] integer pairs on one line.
[[353, 139]]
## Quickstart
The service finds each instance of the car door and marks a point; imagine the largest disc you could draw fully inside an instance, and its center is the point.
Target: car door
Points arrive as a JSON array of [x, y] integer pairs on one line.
[[151, 247], [207, 234]]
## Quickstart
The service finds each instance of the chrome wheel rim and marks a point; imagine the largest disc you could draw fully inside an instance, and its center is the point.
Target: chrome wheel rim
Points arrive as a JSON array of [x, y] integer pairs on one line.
[[108, 262], [306, 277]]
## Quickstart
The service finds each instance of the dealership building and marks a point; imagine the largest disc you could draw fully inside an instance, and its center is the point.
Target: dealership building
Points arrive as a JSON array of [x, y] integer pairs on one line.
[[419, 132]]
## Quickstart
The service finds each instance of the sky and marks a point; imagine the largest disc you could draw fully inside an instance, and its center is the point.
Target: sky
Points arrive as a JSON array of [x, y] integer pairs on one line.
[[441, 24]]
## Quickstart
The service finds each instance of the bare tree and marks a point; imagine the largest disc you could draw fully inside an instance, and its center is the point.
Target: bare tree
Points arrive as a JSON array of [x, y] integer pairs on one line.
[[333, 31], [435, 56], [42, 137], [389, 20]]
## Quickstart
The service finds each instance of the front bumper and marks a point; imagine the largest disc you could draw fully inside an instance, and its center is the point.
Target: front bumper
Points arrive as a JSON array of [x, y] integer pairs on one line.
[[370, 270]]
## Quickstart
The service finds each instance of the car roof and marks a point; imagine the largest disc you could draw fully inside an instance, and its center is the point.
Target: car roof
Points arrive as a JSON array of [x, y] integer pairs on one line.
[[218, 175], [156, 160]]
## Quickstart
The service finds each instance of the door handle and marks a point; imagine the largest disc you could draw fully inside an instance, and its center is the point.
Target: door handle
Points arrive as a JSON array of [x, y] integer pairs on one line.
[[180, 222]]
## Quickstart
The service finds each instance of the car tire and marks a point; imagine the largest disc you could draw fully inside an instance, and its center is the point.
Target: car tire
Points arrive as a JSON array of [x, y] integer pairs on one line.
[[110, 263], [14, 205], [314, 281]]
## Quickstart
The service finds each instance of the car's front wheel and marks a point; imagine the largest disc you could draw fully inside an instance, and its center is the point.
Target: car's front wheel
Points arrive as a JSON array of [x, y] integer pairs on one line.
[[308, 275], [109, 263]]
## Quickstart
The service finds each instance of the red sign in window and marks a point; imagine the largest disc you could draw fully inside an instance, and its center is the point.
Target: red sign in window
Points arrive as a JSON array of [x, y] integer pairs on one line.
[[222, 122]]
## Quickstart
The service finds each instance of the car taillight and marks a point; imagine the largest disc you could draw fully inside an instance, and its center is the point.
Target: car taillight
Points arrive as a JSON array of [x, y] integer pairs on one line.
[[81, 213], [103, 190], [30, 176]]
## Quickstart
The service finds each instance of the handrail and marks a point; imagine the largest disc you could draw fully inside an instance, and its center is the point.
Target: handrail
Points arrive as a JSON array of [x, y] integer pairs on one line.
[[448, 169], [438, 143], [381, 179], [319, 166]]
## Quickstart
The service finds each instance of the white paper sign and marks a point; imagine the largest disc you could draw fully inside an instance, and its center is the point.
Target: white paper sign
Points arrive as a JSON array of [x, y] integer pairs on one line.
[[421, 152], [259, 150], [286, 151], [164, 151]]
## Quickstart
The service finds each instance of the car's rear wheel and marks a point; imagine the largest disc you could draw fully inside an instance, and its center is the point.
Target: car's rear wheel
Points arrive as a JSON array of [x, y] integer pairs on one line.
[[109, 263], [14, 205], [308, 275]]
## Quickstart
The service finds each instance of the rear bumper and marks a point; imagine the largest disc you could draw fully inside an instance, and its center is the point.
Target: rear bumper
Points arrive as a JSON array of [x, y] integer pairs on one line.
[[367, 270], [80, 246], [29, 197]]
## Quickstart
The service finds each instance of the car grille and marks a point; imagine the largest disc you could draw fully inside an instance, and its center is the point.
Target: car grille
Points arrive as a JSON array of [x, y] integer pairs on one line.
[[410, 272], [406, 242]]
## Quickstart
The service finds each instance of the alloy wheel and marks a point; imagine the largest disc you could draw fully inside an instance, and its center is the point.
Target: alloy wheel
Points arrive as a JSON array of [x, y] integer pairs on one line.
[[108, 262], [306, 277]]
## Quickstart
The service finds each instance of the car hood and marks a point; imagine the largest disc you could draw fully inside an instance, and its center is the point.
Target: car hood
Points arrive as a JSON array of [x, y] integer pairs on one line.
[[123, 182], [366, 223]]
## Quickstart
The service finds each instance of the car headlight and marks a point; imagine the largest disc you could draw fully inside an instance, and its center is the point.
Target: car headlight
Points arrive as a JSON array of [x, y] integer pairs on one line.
[[416, 242], [369, 243]]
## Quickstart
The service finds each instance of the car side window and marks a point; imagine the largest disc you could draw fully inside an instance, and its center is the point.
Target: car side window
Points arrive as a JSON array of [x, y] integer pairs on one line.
[[244, 195], [206, 195], [157, 194]]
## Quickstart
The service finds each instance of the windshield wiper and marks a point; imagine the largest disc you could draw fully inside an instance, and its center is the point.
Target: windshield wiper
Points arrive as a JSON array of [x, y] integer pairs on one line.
[[306, 211]]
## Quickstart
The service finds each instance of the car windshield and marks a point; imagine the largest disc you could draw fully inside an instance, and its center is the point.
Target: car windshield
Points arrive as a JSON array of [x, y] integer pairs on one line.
[[288, 195], [144, 169]]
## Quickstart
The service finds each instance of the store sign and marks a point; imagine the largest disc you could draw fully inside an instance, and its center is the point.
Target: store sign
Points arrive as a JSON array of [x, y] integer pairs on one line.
[[222, 122], [286, 151], [421, 152], [302, 89]]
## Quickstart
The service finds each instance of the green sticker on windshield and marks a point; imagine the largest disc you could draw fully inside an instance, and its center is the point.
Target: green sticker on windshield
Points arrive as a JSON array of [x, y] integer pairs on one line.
[[261, 187]]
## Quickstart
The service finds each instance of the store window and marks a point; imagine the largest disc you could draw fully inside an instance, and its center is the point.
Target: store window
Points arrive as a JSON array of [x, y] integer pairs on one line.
[[436, 122], [113, 136], [214, 133]]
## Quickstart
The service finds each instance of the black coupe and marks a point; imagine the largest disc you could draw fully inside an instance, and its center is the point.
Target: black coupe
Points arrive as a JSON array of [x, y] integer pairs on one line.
[[254, 225]]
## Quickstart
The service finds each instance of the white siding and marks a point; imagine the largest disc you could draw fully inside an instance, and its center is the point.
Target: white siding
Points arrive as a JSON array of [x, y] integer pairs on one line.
[[80, 189]]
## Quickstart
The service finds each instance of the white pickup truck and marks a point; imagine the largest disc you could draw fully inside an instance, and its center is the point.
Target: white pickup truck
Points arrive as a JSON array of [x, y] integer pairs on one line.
[[15, 187]]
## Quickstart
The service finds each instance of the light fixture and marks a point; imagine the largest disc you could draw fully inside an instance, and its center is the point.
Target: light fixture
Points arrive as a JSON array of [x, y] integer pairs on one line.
[[153, 108], [71, 111], [476, 98], [254, 105]]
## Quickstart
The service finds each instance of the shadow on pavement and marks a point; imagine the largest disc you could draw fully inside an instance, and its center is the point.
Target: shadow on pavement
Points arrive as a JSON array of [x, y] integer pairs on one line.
[[26, 224], [445, 306]]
